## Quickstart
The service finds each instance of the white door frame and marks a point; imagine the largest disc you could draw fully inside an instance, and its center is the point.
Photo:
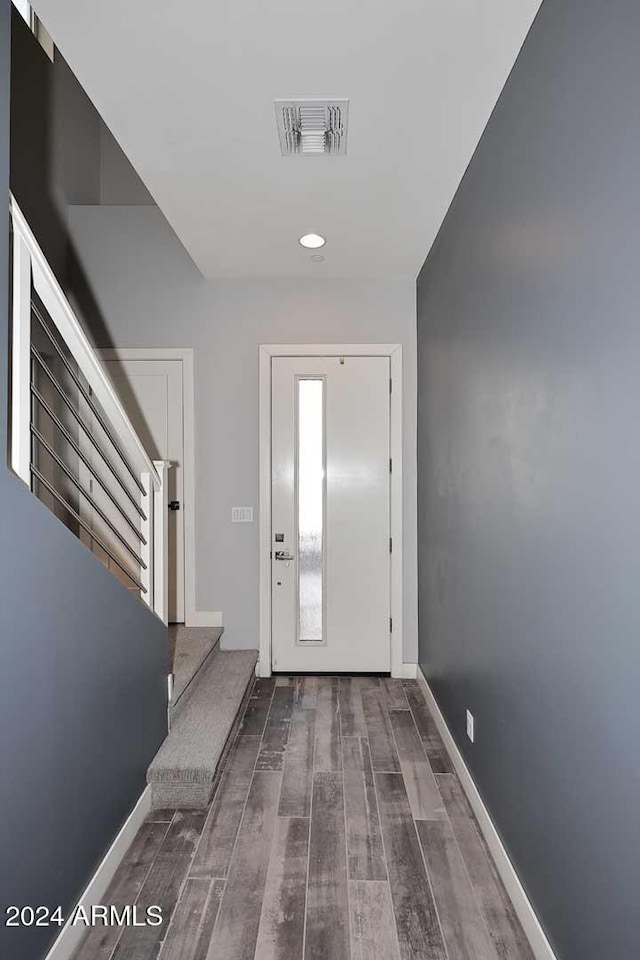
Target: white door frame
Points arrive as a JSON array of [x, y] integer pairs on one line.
[[188, 467], [394, 352]]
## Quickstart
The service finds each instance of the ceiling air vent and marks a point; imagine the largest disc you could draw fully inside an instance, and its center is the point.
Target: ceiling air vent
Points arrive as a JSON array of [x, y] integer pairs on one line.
[[312, 128]]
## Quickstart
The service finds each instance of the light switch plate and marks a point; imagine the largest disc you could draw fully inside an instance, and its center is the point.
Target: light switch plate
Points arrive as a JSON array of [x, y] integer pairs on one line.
[[241, 514]]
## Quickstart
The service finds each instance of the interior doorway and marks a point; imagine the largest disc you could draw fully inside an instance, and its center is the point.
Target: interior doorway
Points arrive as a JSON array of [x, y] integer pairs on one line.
[[156, 388]]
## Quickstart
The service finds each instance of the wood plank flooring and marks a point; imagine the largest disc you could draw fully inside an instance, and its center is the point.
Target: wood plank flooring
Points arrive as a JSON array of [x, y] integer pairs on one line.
[[339, 831]]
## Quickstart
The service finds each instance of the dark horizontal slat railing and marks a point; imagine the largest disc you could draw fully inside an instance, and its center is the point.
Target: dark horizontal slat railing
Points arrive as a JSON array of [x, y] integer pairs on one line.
[[87, 397], [71, 440], [94, 536], [74, 413], [72, 443], [85, 493]]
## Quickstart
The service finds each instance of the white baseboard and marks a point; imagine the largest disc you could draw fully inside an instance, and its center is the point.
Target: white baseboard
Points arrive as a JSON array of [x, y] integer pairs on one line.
[[521, 903], [69, 938], [409, 671], [204, 618], [262, 669]]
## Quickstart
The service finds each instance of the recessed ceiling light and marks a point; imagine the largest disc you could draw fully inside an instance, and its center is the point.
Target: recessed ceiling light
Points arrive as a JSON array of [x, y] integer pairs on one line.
[[312, 241]]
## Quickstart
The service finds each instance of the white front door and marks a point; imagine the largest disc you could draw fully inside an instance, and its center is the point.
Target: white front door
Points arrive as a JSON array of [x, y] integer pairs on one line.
[[330, 524], [151, 393]]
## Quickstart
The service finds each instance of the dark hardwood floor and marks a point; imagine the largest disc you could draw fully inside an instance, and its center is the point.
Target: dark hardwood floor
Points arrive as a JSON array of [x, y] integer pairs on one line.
[[339, 831]]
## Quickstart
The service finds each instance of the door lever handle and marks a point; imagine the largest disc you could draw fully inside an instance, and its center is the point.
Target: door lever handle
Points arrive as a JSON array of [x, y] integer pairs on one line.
[[283, 555]]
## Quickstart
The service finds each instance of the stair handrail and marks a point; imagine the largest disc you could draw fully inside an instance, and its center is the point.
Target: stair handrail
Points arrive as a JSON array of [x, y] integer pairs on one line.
[[32, 272]]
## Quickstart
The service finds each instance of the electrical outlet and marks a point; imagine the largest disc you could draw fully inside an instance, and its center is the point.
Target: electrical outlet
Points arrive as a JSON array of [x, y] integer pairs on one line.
[[470, 726], [241, 514]]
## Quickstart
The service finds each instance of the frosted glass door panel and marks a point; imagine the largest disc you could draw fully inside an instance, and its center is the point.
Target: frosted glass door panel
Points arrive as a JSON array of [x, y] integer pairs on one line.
[[310, 491]]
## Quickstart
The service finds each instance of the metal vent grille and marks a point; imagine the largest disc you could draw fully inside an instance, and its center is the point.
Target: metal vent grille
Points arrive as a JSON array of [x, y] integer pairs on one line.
[[312, 128]]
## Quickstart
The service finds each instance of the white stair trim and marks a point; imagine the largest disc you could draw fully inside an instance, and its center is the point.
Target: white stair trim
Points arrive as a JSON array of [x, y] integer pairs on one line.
[[522, 905], [204, 618], [69, 938]]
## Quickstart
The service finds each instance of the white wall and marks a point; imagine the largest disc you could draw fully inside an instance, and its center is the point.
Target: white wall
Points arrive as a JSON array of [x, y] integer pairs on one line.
[[149, 293]]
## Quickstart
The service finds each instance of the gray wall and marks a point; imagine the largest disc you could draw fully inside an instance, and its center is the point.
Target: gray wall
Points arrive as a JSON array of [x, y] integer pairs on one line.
[[82, 684], [62, 152], [149, 293], [529, 456]]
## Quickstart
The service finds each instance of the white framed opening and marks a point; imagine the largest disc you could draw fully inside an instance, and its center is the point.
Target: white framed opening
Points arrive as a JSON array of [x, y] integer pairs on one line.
[[267, 353]]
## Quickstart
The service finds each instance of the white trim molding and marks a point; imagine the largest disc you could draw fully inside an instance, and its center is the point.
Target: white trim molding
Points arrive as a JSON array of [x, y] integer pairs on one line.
[[68, 940], [267, 352], [205, 618], [522, 905], [21, 360], [192, 617]]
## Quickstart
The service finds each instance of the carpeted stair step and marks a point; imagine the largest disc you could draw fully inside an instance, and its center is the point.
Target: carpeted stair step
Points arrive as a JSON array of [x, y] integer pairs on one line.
[[194, 650], [184, 771]]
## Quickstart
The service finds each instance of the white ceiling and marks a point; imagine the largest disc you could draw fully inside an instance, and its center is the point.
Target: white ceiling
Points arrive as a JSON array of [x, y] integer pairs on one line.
[[188, 91]]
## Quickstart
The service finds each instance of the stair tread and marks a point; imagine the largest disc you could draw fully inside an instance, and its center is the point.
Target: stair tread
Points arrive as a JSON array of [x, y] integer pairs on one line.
[[193, 648], [192, 750]]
